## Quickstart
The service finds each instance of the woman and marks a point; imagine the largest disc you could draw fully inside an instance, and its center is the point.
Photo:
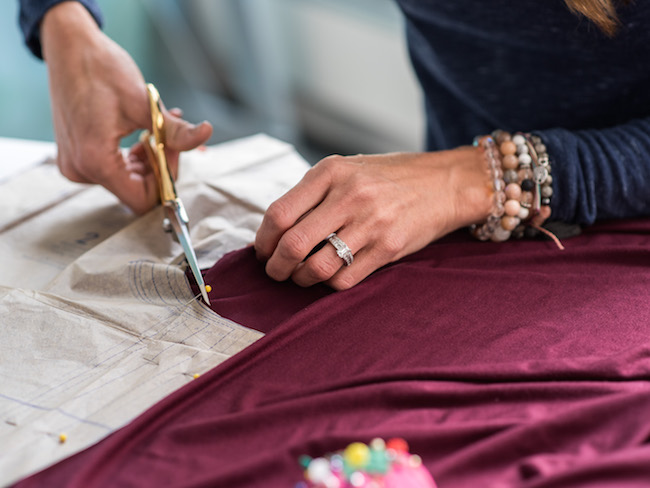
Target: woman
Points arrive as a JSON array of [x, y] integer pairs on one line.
[[575, 73], [579, 83]]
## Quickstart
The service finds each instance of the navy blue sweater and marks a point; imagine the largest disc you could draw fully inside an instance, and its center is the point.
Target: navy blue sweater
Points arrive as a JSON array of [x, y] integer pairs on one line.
[[528, 65], [532, 65]]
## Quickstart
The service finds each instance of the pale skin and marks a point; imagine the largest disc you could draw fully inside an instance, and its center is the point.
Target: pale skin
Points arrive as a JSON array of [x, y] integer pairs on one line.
[[383, 207], [98, 96]]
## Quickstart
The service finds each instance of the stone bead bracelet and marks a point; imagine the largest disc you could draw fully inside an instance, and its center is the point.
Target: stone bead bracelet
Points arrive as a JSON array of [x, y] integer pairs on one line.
[[520, 172]]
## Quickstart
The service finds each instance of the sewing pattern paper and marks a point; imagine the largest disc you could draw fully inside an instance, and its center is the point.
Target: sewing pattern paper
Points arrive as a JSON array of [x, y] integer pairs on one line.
[[97, 320]]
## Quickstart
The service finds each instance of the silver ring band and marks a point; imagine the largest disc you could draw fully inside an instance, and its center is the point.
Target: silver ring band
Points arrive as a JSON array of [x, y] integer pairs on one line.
[[342, 249]]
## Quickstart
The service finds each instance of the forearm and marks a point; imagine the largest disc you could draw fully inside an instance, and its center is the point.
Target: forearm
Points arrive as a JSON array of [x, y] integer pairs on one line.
[[66, 31], [600, 174], [32, 13]]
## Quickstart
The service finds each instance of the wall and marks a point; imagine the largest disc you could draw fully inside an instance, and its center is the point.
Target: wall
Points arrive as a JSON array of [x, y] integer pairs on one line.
[[328, 75]]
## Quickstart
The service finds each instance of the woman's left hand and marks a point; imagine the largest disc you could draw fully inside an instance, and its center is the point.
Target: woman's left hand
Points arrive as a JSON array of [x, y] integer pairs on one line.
[[383, 207]]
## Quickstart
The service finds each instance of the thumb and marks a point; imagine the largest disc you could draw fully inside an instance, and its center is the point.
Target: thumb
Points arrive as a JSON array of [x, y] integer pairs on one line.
[[181, 135]]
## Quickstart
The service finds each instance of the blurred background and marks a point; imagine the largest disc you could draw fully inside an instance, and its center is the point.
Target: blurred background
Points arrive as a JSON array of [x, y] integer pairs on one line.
[[330, 76]]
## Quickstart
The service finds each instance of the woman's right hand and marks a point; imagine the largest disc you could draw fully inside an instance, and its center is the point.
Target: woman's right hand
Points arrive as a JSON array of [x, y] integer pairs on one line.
[[98, 96]]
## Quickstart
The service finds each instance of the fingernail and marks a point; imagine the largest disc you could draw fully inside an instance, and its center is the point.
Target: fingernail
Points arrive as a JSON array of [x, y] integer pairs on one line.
[[198, 126]]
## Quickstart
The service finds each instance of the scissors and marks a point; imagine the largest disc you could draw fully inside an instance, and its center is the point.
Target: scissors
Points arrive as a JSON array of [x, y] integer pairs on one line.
[[176, 219]]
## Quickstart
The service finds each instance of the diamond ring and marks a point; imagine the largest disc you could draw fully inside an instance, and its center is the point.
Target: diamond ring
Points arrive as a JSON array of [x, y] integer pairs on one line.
[[342, 249]]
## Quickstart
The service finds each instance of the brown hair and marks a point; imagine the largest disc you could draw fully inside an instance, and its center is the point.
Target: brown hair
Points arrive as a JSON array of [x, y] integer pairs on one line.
[[600, 12]]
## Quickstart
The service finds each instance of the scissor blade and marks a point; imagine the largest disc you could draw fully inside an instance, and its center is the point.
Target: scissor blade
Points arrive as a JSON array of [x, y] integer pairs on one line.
[[184, 239], [180, 228]]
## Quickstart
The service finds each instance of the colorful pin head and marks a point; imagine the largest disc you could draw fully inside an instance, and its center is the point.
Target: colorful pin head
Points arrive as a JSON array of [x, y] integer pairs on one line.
[[386, 464]]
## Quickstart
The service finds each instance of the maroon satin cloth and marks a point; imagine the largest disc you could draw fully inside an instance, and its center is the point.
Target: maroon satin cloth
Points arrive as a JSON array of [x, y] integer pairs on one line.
[[502, 365]]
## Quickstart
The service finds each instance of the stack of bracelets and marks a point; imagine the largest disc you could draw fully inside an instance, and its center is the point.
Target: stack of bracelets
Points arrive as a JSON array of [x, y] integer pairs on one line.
[[520, 171]]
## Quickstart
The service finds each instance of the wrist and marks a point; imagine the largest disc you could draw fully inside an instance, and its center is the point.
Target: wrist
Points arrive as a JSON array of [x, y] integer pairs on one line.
[[65, 26], [474, 186]]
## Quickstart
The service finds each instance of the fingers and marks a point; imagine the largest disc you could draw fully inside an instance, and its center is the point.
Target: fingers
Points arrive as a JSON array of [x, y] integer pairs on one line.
[[296, 243], [326, 266], [99, 97], [285, 213], [132, 181], [130, 178], [136, 161], [300, 220], [365, 263], [380, 210], [182, 135]]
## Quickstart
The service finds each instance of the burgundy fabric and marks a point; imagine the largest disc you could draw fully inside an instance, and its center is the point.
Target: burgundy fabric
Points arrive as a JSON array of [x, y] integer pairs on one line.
[[502, 365]]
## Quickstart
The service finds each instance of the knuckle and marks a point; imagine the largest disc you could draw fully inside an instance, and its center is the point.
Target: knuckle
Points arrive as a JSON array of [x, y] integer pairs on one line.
[[278, 215], [368, 190], [332, 159], [66, 170], [343, 281], [275, 272], [140, 207], [98, 167], [331, 164], [67, 167], [320, 269], [363, 191], [384, 218], [294, 245], [103, 172], [392, 243], [263, 249]]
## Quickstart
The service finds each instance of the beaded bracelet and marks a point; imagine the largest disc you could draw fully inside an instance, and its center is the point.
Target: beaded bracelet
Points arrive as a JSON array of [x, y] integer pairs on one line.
[[542, 169], [529, 195], [515, 160], [544, 191], [526, 182], [492, 225]]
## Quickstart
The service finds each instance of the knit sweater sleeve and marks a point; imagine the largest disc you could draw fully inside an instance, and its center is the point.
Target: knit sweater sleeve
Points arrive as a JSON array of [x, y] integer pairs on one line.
[[600, 174], [32, 12]]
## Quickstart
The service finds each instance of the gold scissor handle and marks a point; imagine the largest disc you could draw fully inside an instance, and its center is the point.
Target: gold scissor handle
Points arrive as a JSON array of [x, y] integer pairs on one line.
[[154, 144], [175, 216]]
